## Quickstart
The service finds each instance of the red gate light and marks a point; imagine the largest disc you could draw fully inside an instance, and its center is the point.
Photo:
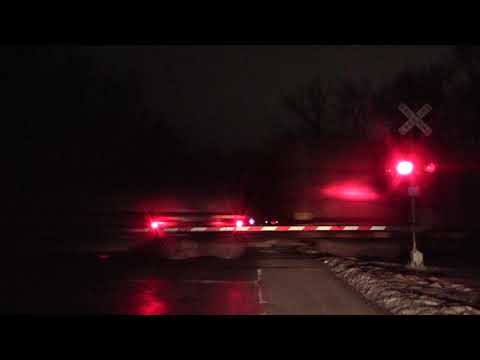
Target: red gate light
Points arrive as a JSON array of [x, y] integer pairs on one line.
[[156, 224], [431, 167], [404, 167]]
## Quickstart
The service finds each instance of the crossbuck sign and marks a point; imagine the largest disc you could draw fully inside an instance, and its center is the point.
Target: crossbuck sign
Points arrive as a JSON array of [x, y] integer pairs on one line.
[[415, 119]]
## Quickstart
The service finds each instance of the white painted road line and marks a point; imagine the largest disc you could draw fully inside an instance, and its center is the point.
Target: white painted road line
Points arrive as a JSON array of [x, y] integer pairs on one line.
[[261, 300], [378, 228], [194, 229], [259, 275]]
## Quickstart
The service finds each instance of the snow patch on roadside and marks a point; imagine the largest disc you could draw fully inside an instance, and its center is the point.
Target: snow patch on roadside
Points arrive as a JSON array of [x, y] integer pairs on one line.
[[403, 292]]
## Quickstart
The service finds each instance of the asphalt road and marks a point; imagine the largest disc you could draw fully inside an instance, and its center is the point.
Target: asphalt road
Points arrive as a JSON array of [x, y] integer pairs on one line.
[[258, 281]]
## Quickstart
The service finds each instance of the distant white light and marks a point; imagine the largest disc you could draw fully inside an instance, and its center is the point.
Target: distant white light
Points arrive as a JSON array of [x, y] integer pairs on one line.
[[239, 223], [251, 221]]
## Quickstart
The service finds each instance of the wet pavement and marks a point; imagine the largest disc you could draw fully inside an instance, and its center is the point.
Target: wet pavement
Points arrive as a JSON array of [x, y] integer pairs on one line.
[[136, 283]]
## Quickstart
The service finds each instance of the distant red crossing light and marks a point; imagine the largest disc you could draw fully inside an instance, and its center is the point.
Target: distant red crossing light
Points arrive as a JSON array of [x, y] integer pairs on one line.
[[156, 224], [404, 167], [431, 167]]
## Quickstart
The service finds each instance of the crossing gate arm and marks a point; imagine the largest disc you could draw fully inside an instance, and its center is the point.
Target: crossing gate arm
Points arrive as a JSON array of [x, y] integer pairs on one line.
[[286, 229]]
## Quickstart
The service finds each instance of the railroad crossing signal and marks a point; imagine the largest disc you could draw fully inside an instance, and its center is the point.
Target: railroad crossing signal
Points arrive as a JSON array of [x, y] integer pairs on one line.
[[406, 168], [415, 119]]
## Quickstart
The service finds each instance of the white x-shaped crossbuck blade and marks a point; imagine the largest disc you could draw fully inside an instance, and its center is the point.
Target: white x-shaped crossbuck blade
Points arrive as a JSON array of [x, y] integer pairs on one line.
[[415, 119]]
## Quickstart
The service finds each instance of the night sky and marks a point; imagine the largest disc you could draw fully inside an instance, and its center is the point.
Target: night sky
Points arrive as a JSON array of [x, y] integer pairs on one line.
[[231, 95]]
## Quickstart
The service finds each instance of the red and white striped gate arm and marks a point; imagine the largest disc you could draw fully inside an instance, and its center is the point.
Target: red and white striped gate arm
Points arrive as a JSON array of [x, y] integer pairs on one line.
[[281, 228]]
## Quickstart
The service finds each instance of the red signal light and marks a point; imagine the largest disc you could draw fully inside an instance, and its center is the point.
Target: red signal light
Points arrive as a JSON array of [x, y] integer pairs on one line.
[[404, 167], [156, 224], [431, 167]]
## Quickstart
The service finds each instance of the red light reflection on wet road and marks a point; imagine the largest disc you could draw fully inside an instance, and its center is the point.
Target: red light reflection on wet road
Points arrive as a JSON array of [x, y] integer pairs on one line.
[[151, 305], [203, 297]]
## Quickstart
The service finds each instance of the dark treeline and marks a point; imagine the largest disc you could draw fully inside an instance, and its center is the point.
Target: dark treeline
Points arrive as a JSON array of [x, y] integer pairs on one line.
[[68, 119], [360, 110], [348, 112]]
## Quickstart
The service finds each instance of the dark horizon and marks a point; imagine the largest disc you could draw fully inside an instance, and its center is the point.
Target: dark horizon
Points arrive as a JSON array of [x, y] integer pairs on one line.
[[230, 96], [225, 97]]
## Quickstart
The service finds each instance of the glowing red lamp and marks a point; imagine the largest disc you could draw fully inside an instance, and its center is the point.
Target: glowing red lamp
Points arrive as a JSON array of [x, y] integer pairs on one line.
[[431, 167], [156, 224], [404, 167]]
